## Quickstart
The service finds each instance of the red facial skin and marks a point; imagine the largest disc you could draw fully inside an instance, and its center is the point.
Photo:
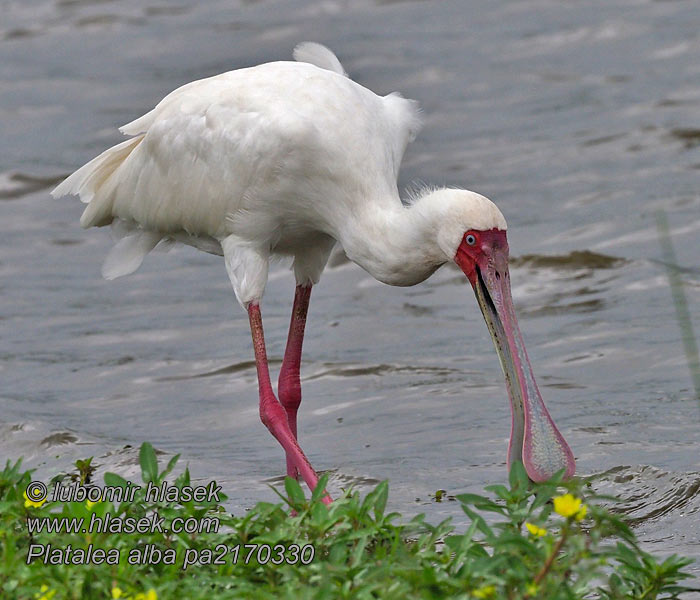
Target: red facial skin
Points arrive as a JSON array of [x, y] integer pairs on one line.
[[490, 245]]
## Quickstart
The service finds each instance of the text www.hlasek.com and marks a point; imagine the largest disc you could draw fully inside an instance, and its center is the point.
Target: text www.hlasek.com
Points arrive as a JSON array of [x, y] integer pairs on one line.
[[109, 524]]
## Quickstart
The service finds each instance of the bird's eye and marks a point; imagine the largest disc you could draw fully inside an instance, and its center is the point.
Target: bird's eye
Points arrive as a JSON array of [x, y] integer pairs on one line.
[[470, 239]]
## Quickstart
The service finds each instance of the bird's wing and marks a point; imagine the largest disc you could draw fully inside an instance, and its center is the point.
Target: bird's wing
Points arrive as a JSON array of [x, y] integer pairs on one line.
[[403, 115], [193, 158], [255, 141], [305, 52], [250, 152], [187, 97]]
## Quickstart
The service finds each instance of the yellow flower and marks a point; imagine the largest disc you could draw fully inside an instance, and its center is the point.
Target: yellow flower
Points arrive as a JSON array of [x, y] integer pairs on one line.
[[486, 591], [45, 593], [29, 502], [149, 595], [569, 506], [531, 589], [117, 593], [536, 531]]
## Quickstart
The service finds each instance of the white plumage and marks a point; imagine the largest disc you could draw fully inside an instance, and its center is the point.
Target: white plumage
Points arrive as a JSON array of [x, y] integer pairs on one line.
[[279, 158]]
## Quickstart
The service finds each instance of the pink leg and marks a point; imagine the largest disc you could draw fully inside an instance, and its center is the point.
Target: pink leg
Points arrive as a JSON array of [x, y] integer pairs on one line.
[[272, 413], [289, 383]]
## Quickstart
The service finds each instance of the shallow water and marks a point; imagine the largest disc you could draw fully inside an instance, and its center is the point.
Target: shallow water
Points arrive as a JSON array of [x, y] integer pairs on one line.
[[579, 120]]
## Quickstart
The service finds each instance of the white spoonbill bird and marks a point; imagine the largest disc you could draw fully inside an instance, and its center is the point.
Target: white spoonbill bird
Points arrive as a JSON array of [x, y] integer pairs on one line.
[[290, 158]]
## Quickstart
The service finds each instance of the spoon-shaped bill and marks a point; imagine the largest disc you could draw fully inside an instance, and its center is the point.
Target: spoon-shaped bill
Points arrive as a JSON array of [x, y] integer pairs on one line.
[[534, 438]]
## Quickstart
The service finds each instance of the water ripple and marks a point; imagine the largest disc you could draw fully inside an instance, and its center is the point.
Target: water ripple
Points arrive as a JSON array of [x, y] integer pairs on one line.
[[648, 493]]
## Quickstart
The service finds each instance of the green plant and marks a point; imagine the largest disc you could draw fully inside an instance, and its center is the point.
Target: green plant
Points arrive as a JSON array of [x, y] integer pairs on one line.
[[553, 540]]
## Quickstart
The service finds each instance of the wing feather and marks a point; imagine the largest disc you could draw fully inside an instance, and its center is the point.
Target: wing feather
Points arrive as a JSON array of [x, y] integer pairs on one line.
[[261, 153]]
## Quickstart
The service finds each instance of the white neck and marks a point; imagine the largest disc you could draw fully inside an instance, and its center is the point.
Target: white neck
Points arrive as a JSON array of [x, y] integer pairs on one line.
[[403, 245], [393, 243]]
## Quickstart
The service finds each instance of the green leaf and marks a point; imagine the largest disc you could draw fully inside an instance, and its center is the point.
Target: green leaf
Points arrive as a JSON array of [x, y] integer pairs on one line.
[[501, 491], [169, 468], [454, 542], [480, 523], [295, 493], [183, 478], [481, 503], [382, 497], [319, 515], [320, 489], [472, 499], [149, 463], [542, 496], [517, 477], [114, 480]]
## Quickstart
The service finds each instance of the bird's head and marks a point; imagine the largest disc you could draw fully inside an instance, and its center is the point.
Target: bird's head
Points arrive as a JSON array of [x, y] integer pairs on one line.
[[472, 233]]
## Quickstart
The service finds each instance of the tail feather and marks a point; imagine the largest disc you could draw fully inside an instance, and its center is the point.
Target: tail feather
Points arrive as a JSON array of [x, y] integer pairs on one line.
[[93, 184], [88, 182], [319, 55]]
